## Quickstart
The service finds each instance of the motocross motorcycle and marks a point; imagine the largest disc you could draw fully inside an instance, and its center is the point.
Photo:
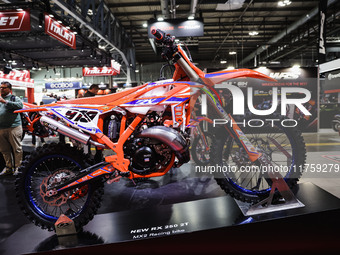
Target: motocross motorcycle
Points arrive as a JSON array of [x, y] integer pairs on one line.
[[146, 130]]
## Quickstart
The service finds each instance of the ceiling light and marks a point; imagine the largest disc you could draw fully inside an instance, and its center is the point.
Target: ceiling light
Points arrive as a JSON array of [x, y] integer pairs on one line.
[[145, 24], [191, 17], [253, 33], [160, 18], [284, 3], [223, 61], [232, 52], [41, 20]]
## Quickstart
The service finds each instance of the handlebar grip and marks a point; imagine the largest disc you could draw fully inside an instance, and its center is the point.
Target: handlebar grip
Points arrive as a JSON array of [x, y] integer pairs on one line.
[[159, 34]]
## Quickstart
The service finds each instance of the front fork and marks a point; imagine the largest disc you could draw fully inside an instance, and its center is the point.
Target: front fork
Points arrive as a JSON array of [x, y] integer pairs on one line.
[[232, 127]]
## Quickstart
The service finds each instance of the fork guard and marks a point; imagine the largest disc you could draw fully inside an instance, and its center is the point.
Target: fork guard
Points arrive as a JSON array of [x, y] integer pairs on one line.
[[170, 137]]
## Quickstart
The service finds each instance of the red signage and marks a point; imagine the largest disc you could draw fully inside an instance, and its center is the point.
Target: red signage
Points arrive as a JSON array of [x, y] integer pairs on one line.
[[98, 71], [11, 21], [20, 74], [18, 78], [59, 32], [115, 65]]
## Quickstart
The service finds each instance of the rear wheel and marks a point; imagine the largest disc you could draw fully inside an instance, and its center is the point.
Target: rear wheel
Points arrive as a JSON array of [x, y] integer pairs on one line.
[[48, 166], [285, 148]]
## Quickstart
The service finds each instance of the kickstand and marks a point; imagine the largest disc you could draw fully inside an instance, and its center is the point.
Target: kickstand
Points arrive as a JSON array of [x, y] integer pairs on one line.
[[266, 206]]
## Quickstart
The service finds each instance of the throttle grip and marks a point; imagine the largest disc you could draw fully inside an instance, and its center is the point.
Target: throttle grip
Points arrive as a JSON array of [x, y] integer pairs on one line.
[[159, 34]]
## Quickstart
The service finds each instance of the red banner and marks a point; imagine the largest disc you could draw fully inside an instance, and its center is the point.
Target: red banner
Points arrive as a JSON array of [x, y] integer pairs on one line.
[[116, 66], [98, 71], [12, 21], [19, 74], [59, 32], [18, 78]]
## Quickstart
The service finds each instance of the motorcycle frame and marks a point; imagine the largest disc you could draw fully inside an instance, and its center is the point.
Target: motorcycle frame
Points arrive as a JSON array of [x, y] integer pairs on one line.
[[185, 70]]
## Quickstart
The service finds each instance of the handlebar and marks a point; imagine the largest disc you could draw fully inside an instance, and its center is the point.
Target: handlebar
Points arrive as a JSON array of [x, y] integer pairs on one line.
[[162, 37], [169, 47], [159, 34]]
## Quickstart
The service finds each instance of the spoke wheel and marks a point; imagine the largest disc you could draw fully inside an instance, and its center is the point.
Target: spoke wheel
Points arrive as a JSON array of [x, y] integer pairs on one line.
[[283, 146], [44, 169]]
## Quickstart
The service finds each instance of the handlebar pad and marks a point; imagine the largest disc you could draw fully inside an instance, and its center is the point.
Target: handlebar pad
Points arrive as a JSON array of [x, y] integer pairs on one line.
[[159, 34]]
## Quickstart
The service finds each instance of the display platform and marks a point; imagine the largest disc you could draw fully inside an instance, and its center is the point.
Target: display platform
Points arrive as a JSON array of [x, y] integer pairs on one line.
[[204, 219]]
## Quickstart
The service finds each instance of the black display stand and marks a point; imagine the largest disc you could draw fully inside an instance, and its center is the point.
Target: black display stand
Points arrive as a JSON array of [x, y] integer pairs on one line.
[[204, 221]]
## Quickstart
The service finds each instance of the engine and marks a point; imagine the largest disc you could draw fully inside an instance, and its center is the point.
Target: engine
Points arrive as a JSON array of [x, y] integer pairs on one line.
[[146, 155]]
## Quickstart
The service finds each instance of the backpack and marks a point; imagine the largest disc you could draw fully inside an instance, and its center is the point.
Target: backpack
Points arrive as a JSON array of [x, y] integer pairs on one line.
[[22, 115]]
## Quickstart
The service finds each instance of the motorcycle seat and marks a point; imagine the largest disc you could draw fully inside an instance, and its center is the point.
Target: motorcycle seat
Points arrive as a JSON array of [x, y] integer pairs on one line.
[[101, 100]]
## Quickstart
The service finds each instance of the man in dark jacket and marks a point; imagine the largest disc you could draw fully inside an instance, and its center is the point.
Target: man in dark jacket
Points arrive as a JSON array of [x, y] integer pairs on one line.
[[93, 90], [10, 129]]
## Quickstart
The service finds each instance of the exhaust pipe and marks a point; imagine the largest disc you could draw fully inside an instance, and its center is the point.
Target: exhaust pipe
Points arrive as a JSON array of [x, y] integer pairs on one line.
[[170, 137], [69, 132]]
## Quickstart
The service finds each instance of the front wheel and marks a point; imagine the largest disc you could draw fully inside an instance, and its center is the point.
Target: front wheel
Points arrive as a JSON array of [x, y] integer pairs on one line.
[[283, 146], [48, 166]]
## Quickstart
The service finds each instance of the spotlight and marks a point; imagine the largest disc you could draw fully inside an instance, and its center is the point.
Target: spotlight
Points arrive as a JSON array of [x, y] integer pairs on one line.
[[41, 20], [7, 69]]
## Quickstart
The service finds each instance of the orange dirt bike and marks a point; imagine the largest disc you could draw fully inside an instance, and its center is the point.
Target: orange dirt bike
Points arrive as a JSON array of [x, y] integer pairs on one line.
[[145, 131]]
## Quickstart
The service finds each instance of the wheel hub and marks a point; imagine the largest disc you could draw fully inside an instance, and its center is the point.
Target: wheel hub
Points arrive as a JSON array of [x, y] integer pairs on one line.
[[49, 194]]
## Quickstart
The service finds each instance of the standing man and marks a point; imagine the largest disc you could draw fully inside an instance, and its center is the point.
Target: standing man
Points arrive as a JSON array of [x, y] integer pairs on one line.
[[10, 129], [93, 90]]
